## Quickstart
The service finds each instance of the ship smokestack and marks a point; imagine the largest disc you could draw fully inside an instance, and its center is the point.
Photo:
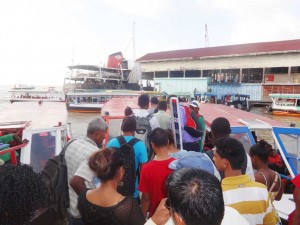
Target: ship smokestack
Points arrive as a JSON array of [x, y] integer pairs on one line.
[[115, 60]]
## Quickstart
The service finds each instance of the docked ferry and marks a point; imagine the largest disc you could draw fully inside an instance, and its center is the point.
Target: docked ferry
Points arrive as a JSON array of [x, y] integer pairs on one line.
[[86, 86], [47, 95]]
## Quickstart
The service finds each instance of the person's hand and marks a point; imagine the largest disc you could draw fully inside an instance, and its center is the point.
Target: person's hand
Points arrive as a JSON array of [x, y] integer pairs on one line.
[[25, 141], [161, 214]]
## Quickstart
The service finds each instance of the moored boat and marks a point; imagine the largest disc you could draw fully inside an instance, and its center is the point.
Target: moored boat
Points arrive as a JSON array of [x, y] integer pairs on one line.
[[44, 125], [47, 95], [285, 104], [284, 138], [92, 102]]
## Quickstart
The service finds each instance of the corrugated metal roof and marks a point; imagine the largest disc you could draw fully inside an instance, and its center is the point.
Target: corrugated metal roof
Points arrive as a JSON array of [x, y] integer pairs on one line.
[[241, 49]]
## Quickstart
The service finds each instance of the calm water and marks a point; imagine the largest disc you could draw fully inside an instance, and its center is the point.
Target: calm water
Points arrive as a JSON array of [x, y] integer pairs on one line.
[[79, 120]]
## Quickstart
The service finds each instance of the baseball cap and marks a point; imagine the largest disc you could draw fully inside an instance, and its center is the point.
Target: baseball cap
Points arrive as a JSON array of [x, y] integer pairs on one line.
[[195, 104], [196, 160]]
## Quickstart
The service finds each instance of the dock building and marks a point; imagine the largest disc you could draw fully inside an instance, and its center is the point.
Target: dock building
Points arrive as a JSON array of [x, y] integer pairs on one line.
[[257, 69]]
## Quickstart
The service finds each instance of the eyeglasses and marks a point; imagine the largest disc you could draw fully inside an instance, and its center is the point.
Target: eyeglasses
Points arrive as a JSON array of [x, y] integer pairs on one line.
[[168, 204]]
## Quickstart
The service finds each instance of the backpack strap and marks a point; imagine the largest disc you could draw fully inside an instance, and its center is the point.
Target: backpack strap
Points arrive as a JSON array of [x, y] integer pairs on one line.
[[63, 151], [121, 139], [133, 141], [149, 116]]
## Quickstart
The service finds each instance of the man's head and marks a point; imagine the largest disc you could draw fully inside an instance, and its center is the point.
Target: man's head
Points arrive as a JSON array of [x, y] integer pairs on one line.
[[158, 138], [220, 127], [162, 105], [96, 130], [195, 106], [154, 101], [143, 101], [128, 124], [229, 154], [195, 197]]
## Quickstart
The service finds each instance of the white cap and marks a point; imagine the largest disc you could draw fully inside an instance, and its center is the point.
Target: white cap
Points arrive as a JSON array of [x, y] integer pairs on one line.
[[195, 104]]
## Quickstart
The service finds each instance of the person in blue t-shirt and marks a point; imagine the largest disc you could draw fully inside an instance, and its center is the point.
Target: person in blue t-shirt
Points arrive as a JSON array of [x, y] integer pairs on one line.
[[128, 128]]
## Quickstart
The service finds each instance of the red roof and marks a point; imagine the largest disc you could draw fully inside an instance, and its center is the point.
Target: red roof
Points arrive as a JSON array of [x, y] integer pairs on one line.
[[241, 49]]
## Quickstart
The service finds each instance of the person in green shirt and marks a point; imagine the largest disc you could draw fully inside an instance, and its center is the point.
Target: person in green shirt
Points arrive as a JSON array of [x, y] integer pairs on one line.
[[195, 106], [5, 142]]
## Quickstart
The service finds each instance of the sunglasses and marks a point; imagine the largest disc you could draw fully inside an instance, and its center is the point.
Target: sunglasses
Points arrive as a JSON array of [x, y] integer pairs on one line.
[[168, 204]]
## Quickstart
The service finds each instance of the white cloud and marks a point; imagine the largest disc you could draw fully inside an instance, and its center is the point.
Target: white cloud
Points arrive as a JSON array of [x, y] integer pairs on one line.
[[143, 8], [39, 39]]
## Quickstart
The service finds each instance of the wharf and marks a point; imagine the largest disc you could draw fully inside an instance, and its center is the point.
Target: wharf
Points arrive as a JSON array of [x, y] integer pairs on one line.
[[237, 117]]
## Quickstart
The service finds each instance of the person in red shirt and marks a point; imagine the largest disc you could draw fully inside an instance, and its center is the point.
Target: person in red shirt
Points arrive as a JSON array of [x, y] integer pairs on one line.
[[275, 161], [294, 217], [154, 173]]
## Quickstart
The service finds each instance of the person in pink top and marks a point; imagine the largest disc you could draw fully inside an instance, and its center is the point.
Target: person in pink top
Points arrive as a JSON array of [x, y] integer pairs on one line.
[[155, 173]]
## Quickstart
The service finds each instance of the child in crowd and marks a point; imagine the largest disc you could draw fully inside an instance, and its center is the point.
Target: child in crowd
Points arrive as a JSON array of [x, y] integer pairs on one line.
[[155, 173]]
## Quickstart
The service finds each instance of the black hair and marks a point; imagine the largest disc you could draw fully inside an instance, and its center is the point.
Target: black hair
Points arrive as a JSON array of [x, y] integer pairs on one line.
[[128, 111], [232, 150], [154, 100], [22, 192], [143, 100], [162, 105], [170, 136], [159, 137], [261, 149], [254, 136], [220, 127], [105, 163], [128, 124], [196, 196]]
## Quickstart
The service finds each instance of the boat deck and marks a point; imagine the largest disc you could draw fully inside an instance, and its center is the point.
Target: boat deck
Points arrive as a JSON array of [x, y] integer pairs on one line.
[[45, 115], [237, 117], [115, 106]]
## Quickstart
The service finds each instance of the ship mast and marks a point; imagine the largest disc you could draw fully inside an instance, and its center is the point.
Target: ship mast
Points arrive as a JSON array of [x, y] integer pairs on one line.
[[133, 41], [206, 37]]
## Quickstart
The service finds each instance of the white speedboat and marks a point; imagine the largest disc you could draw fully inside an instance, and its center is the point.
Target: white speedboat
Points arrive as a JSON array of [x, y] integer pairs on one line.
[[285, 104]]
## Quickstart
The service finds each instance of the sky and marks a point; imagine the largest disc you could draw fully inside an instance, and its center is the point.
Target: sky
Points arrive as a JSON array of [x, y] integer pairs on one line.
[[39, 39]]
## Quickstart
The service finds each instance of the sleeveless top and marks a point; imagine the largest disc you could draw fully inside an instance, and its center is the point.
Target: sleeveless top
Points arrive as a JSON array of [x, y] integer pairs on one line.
[[277, 179]]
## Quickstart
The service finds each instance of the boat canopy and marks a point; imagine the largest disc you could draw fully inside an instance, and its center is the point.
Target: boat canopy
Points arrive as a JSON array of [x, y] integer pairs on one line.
[[289, 96]]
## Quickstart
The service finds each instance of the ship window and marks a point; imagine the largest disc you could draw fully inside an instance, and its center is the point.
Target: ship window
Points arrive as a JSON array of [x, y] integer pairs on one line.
[[192, 73], [252, 75], [176, 74], [43, 147], [295, 69], [161, 74], [147, 75], [210, 73], [276, 70]]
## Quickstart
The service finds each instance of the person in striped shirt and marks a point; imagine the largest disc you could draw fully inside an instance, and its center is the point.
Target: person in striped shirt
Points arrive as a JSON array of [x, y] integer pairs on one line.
[[251, 199]]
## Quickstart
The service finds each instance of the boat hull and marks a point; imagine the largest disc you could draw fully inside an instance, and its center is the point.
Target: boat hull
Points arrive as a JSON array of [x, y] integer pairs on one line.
[[35, 100], [285, 113], [85, 108]]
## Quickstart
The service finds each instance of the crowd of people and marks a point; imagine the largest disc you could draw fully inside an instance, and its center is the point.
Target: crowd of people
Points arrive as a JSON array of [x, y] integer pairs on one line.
[[206, 182]]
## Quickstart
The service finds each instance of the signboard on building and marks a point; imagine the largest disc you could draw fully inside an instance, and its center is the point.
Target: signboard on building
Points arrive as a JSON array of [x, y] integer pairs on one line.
[[269, 77]]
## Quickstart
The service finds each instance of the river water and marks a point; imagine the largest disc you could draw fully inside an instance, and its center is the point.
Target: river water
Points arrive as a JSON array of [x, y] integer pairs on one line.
[[79, 121]]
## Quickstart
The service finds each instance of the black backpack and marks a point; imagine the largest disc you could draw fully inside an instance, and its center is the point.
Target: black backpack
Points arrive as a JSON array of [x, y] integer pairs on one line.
[[127, 186], [55, 176]]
